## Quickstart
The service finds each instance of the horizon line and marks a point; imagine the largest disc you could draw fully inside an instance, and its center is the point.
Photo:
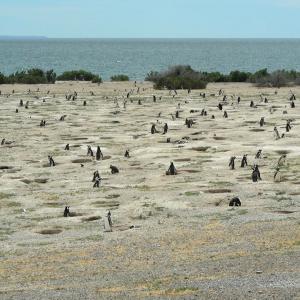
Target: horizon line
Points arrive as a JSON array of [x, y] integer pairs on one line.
[[41, 37]]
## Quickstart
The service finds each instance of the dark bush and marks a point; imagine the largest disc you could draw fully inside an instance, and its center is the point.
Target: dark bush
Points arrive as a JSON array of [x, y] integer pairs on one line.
[[259, 75], [178, 77], [31, 76], [277, 79], [297, 80], [153, 76], [215, 77], [80, 75], [120, 77], [51, 76], [2, 78], [238, 76], [96, 79], [185, 77]]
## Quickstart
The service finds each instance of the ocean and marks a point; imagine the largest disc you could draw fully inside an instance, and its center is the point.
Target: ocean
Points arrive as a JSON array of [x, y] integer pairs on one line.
[[137, 57]]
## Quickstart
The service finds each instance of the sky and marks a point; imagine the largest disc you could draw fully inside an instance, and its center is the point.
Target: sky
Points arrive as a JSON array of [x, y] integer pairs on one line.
[[151, 18]]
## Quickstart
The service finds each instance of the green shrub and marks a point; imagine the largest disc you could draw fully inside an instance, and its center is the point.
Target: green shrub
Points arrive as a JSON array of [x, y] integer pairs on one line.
[[153, 76], [31, 76], [259, 75], [185, 77], [178, 77], [215, 77], [80, 75], [96, 79], [120, 77], [2, 78], [238, 76], [51, 76]]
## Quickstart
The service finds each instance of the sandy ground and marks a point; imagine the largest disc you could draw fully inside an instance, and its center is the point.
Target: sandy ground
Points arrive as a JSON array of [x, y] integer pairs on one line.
[[187, 243]]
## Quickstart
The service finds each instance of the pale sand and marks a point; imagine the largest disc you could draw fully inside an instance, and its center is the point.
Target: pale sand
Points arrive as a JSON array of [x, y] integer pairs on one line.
[[183, 246]]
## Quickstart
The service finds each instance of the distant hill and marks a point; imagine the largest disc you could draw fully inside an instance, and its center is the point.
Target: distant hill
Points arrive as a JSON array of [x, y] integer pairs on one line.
[[8, 37]]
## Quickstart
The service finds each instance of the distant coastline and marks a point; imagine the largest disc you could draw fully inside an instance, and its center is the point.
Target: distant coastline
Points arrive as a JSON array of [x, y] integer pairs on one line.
[[20, 38], [152, 38]]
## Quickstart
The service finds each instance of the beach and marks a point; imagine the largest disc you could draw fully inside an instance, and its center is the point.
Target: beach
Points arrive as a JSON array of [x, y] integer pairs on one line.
[[173, 237]]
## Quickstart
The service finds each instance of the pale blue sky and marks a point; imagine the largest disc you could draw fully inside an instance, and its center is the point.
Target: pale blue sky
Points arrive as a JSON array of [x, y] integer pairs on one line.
[[151, 18]]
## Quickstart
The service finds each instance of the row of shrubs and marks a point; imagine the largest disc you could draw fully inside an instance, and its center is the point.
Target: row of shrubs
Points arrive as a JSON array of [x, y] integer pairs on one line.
[[79, 75], [185, 77], [32, 76], [176, 77], [35, 76]]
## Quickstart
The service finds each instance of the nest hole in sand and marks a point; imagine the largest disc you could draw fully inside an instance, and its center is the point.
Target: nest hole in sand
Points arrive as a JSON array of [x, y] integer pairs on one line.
[[282, 152], [200, 149], [188, 171], [109, 204], [134, 164], [112, 196], [79, 138], [75, 214], [27, 181], [81, 160], [257, 130], [6, 168], [41, 180], [286, 212], [182, 159], [105, 157], [54, 204], [197, 133], [219, 138], [48, 166], [295, 194], [49, 231], [218, 191], [91, 219]]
